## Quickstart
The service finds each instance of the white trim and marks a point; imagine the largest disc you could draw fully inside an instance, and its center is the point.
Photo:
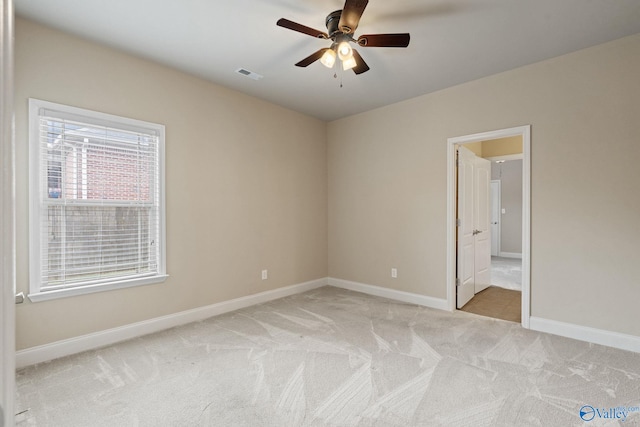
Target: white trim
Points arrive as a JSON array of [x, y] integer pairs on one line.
[[46, 352], [510, 255], [451, 255], [37, 187], [98, 287], [526, 226], [7, 218], [438, 303], [586, 333], [525, 132]]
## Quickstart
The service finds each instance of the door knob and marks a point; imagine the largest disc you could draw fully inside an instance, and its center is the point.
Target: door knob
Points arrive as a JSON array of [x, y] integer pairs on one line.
[[476, 232]]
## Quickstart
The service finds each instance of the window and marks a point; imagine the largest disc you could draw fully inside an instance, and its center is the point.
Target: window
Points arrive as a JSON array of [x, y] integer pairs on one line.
[[97, 201]]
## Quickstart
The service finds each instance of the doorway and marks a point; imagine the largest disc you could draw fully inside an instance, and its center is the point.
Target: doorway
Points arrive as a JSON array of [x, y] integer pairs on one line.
[[506, 221], [472, 141]]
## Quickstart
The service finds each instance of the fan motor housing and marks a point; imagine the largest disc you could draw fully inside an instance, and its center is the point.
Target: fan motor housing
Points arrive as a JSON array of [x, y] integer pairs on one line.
[[332, 21]]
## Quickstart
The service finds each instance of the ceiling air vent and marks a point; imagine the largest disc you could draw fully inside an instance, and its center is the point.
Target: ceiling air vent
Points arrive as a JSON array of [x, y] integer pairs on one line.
[[250, 74]]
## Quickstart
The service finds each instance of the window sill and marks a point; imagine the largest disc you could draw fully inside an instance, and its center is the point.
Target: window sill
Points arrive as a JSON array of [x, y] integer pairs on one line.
[[90, 289]]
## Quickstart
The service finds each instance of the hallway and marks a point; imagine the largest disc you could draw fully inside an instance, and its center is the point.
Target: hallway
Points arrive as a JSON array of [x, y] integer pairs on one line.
[[506, 273]]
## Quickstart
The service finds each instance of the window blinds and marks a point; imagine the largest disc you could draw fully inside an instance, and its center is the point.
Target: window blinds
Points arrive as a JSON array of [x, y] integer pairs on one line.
[[99, 201]]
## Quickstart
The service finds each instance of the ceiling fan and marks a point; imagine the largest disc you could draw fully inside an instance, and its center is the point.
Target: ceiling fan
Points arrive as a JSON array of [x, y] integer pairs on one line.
[[341, 25]]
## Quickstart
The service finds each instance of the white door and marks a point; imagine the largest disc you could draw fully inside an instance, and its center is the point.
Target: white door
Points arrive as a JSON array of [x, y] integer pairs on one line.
[[465, 281], [495, 217], [473, 230], [481, 220]]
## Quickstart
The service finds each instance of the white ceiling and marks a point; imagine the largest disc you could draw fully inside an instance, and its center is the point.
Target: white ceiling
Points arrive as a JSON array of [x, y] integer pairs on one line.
[[452, 41]]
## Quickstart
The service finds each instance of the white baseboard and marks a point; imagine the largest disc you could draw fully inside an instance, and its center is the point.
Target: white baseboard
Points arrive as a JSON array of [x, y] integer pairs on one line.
[[585, 333], [46, 352], [510, 255], [438, 303]]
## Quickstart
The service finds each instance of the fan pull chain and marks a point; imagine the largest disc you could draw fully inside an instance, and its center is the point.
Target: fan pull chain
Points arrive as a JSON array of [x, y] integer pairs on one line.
[[335, 76]]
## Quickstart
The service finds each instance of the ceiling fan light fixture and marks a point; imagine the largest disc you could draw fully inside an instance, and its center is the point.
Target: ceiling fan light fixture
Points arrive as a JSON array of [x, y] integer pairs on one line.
[[349, 63], [344, 51], [328, 58], [341, 25]]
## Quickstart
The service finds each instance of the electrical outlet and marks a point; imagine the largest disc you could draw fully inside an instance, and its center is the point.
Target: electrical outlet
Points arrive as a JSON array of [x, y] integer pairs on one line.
[[394, 273], [265, 274]]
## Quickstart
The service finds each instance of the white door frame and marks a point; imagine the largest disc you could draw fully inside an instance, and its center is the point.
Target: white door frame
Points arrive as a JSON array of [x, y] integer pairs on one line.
[[525, 132], [7, 227]]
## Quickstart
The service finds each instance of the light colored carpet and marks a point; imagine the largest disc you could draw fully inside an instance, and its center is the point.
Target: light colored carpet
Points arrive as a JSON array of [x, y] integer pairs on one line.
[[506, 273], [332, 357]]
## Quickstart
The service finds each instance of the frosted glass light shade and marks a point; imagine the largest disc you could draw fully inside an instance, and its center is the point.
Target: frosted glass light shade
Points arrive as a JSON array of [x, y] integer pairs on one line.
[[344, 51], [349, 63], [328, 58]]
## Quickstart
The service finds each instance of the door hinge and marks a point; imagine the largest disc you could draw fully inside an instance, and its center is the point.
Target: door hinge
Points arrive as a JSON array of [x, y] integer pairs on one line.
[[457, 281], [458, 222]]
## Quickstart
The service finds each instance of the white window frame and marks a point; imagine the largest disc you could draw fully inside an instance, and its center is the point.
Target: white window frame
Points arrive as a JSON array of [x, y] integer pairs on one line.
[[36, 204]]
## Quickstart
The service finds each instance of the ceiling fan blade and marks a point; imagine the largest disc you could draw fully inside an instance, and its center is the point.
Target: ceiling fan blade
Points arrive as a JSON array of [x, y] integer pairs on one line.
[[351, 14], [285, 23], [361, 66], [384, 40], [312, 58]]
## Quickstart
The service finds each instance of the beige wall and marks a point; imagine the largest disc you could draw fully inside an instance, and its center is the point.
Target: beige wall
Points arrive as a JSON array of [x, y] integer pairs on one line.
[[243, 195], [246, 184], [388, 183], [475, 147], [496, 147], [502, 146]]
